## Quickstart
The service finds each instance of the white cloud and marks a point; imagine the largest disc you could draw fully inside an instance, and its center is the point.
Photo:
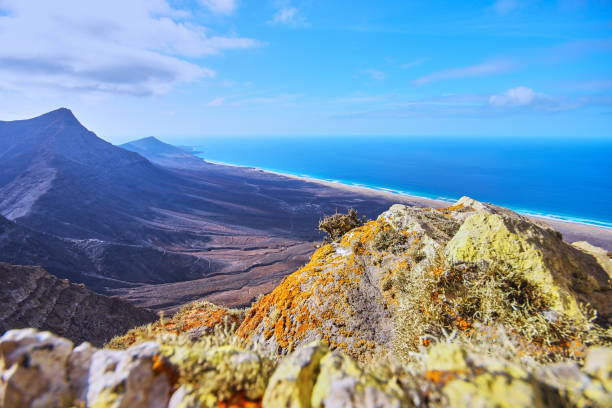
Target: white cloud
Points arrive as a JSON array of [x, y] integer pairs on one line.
[[519, 96], [216, 102], [506, 6], [288, 16], [485, 68], [519, 100], [375, 74], [414, 63], [138, 47], [523, 98], [220, 6]]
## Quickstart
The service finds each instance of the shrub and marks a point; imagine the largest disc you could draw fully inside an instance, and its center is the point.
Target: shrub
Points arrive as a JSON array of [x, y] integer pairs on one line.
[[335, 226]]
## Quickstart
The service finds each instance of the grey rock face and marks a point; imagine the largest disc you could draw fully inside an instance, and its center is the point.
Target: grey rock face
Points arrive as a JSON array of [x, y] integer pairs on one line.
[[41, 370], [126, 379], [31, 297], [34, 369]]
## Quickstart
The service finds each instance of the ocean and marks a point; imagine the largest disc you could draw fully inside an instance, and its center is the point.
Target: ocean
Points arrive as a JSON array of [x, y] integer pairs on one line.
[[569, 179]]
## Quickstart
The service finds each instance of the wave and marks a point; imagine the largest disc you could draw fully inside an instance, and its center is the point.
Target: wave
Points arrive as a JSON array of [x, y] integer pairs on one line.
[[525, 211]]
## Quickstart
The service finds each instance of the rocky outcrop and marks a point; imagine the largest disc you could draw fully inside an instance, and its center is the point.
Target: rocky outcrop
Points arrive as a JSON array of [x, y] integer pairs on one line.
[[41, 370], [194, 320], [412, 274], [38, 369], [315, 377], [31, 297], [471, 305]]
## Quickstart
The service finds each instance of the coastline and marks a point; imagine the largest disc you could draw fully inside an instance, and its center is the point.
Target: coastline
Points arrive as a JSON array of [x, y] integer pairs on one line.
[[427, 201], [572, 230]]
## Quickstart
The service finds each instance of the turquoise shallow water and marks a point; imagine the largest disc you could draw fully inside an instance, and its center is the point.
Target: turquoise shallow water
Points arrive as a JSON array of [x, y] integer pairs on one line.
[[566, 179]]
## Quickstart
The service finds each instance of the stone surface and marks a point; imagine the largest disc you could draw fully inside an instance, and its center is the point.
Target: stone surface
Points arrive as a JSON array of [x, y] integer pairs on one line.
[[32, 297], [292, 383], [34, 369], [315, 377], [601, 255], [128, 379], [565, 275], [493, 390], [211, 375], [372, 291]]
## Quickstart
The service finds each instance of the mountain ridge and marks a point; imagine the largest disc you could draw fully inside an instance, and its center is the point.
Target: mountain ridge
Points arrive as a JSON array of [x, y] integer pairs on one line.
[[178, 218], [32, 297], [164, 154]]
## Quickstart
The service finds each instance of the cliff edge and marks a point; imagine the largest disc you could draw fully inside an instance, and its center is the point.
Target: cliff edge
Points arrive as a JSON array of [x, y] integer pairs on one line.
[[32, 297], [470, 305]]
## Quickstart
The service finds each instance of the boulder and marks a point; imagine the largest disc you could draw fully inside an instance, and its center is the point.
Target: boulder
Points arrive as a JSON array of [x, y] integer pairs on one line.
[[394, 283], [133, 378], [538, 255], [34, 369], [315, 377], [211, 376]]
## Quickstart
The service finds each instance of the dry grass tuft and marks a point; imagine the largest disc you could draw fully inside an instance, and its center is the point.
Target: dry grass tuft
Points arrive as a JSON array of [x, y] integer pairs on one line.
[[335, 226], [489, 307], [195, 319]]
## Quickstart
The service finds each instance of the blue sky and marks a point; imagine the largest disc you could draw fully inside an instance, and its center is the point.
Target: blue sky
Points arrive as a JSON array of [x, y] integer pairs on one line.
[[187, 69]]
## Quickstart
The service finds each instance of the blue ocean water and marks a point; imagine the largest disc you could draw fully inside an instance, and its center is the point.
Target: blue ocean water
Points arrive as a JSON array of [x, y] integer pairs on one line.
[[569, 179]]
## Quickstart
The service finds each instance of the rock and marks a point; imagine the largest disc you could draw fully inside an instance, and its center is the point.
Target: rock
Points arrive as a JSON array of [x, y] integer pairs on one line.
[[292, 383], [493, 390], [446, 357], [214, 375], [184, 397], [315, 377], [34, 369], [598, 363], [564, 275], [349, 292], [391, 285], [576, 386], [32, 297], [342, 383], [601, 255], [129, 379], [197, 320], [79, 363]]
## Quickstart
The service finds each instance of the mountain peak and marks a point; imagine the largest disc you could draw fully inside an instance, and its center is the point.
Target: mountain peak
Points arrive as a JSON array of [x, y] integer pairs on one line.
[[62, 114], [150, 139]]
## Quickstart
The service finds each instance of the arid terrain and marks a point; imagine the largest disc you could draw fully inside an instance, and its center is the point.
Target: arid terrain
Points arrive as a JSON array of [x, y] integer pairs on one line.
[[161, 227], [130, 225]]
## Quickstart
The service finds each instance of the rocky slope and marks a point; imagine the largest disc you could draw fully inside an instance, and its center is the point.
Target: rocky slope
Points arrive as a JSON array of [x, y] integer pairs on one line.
[[31, 297], [128, 223], [165, 154], [472, 305], [403, 279]]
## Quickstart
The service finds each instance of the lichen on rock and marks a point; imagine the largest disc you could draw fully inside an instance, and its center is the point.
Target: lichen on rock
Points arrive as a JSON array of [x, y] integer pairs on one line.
[[470, 305], [395, 283]]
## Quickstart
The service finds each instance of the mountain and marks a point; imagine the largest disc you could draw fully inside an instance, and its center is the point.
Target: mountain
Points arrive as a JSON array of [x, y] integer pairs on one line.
[[123, 221], [417, 273], [58, 177], [470, 305], [32, 297], [98, 264], [164, 154]]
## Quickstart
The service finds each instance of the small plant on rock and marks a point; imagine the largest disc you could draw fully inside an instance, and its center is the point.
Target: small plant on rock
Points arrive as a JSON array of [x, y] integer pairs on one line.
[[335, 226]]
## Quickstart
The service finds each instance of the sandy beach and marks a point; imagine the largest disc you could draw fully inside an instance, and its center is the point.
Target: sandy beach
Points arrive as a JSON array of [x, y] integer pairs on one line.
[[572, 231]]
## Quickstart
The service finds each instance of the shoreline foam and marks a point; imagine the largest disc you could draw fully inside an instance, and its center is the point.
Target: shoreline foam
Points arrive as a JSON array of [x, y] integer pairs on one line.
[[421, 199]]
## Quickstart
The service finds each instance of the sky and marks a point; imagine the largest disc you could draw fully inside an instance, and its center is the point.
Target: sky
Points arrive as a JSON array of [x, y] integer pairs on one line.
[[183, 70]]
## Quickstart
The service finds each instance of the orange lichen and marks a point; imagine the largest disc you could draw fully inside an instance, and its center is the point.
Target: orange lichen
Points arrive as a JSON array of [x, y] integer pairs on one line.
[[239, 401], [193, 316], [442, 377], [300, 303], [163, 366]]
